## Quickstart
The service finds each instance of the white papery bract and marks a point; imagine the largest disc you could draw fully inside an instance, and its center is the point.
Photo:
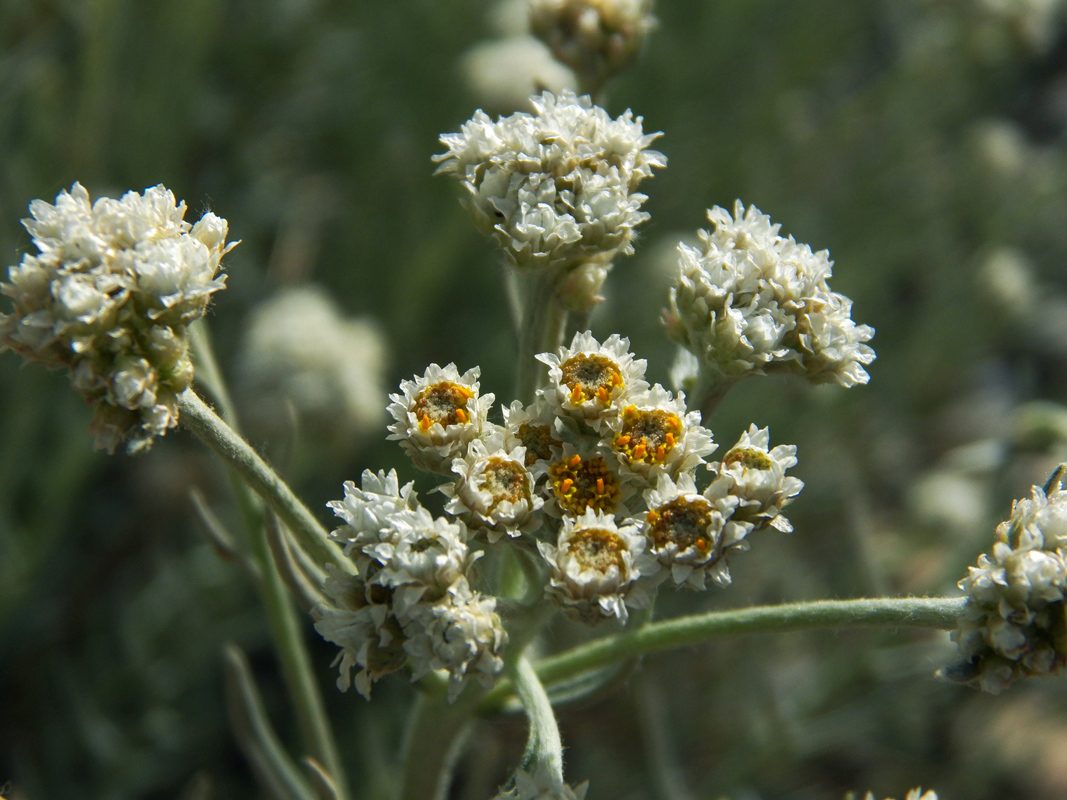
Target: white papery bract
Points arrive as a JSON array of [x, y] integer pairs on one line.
[[590, 381], [595, 38], [1015, 622], [109, 296], [555, 189], [461, 634], [751, 302], [494, 491], [595, 567], [689, 534], [410, 599], [437, 415], [755, 474], [654, 434], [541, 784]]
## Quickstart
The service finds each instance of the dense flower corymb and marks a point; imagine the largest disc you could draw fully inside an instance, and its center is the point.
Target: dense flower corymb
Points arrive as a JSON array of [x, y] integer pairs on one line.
[[109, 296], [750, 302], [1015, 622], [556, 189]]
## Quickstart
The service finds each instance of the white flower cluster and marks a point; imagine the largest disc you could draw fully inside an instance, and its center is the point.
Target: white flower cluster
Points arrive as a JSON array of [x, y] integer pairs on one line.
[[751, 302], [595, 38], [596, 475], [109, 296], [913, 794], [1015, 622], [298, 348], [410, 601], [556, 189]]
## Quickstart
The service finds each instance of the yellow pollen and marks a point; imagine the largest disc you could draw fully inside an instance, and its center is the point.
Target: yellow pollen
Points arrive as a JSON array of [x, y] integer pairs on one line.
[[442, 403], [684, 523], [578, 484], [647, 436], [590, 378], [748, 458]]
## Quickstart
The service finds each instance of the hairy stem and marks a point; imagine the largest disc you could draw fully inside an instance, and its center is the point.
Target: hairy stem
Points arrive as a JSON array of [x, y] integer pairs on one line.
[[914, 612], [540, 331], [237, 454], [433, 744], [544, 748]]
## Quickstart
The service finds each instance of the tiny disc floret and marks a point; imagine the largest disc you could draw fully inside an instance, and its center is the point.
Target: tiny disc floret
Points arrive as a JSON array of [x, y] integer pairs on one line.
[[683, 522], [590, 378], [443, 404], [538, 441], [579, 483], [647, 435], [598, 549]]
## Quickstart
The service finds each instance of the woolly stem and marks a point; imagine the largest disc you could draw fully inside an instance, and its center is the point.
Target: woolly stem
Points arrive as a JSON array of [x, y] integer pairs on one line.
[[540, 331], [913, 612], [544, 748], [237, 454]]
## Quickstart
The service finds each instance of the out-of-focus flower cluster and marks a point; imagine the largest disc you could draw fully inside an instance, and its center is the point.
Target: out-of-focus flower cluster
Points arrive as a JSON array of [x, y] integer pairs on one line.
[[914, 794], [410, 599], [109, 296], [298, 348], [1015, 622], [595, 38], [597, 475], [556, 189], [748, 301]]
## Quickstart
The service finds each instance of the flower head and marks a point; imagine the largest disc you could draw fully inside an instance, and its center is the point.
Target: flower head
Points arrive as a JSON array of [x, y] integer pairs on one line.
[[494, 490], [595, 566], [689, 534], [1015, 622], [590, 381], [541, 784], [109, 296], [655, 434], [595, 38], [749, 302], [754, 473], [438, 414], [556, 188]]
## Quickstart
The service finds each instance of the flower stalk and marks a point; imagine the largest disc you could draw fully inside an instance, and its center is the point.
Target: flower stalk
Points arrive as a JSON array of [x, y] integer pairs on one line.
[[544, 748], [940, 613]]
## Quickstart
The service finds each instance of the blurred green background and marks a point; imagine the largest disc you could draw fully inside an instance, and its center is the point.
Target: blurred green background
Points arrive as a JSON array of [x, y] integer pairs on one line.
[[922, 143]]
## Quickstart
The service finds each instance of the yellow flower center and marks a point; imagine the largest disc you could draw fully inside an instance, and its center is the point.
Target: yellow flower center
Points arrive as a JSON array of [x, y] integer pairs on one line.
[[591, 377], [748, 458], [580, 483], [683, 522], [647, 436], [443, 403], [598, 549], [506, 480], [538, 441]]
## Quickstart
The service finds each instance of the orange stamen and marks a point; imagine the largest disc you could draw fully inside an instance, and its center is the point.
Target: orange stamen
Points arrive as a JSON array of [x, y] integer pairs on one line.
[[661, 452], [425, 424], [623, 440], [600, 485], [575, 461], [670, 439], [640, 450], [602, 394], [576, 393], [462, 415], [567, 485]]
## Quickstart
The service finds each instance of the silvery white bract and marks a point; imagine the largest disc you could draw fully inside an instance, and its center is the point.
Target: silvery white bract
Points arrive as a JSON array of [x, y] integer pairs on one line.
[[1014, 624], [751, 302], [109, 296], [557, 188]]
